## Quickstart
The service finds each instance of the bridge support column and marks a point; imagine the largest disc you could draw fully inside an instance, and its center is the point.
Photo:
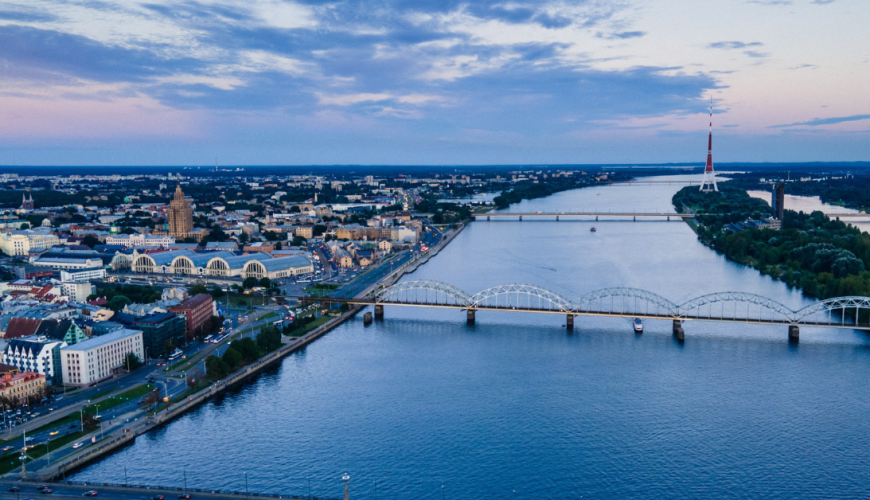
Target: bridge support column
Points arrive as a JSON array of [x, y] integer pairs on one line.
[[669, 217], [521, 217], [367, 319], [596, 217], [487, 217], [379, 312], [794, 333], [679, 333], [635, 217], [469, 317], [557, 217], [570, 322]]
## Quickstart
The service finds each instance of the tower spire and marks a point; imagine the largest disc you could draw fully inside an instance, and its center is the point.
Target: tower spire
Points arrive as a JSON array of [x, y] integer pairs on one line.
[[709, 174]]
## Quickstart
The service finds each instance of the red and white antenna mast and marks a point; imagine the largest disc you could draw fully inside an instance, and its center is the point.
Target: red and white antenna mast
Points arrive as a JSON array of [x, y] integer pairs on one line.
[[709, 175]]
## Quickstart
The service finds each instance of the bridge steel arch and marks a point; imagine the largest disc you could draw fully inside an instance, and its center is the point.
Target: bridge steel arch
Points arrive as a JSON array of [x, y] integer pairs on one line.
[[827, 306], [520, 296], [717, 307], [423, 292], [626, 301]]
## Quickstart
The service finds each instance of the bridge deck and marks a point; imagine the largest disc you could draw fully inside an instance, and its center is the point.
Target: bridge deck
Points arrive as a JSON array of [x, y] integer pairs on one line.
[[586, 214], [580, 312]]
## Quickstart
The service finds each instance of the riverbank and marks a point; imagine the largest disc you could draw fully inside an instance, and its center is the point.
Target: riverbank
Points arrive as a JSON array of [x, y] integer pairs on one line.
[[128, 434]]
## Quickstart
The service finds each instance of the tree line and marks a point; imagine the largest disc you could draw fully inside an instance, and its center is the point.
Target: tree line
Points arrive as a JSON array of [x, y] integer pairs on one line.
[[823, 257]]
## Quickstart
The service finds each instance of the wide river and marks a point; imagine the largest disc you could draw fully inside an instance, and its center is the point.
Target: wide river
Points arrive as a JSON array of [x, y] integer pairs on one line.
[[423, 406]]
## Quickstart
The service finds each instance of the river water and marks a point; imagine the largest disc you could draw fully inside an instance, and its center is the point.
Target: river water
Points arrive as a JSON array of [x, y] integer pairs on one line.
[[809, 204], [516, 407]]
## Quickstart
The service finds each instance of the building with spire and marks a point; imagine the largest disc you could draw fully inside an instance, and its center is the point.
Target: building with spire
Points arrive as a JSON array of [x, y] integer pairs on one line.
[[709, 176], [179, 216], [25, 203]]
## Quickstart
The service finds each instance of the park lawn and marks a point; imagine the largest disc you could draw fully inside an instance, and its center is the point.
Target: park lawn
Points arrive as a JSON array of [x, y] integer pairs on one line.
[[11, 462], [104, 393], [310, 326], [268, 315], [136, 392]]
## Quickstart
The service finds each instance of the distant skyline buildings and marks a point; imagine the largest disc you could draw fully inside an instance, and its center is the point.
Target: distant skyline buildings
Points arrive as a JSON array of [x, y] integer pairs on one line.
[[268, 82]]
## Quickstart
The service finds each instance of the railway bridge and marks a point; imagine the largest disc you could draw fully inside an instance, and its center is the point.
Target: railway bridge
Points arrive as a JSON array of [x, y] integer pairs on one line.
[[733, 307]]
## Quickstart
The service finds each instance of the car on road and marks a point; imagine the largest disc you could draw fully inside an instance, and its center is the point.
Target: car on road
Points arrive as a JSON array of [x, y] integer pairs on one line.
[[7, 448], [54, 433], [158, 497], [184, 497], [78, 445], [14, 489], [91, 493], [47, 491]]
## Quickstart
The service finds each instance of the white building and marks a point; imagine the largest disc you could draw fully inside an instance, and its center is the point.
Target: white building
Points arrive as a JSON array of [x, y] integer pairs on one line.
[[402, 233], [140, 240], [98, 358], [77, 291], [22, 242], [82, 275], [68, 262], [35, 354]]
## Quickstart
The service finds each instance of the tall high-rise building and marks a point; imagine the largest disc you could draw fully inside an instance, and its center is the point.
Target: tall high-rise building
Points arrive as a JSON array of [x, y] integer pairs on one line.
[[179, 215], [778, 201]]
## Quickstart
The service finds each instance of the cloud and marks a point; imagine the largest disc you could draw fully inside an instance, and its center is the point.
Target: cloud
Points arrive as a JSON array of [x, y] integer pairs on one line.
[[624, 35], [825, 121], [755, 54], [733, 45]]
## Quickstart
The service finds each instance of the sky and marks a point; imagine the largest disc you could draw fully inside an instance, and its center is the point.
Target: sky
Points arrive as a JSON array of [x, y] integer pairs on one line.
[[432, 82]]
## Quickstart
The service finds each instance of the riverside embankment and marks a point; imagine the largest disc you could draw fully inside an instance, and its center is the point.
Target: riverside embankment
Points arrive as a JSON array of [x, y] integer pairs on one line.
[[121, 437]]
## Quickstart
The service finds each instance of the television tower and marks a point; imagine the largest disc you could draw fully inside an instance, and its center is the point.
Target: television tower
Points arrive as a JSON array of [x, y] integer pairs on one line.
[[709, 175]]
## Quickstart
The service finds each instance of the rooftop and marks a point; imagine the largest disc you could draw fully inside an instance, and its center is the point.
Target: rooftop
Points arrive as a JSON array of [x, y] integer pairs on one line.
[[100, 340]]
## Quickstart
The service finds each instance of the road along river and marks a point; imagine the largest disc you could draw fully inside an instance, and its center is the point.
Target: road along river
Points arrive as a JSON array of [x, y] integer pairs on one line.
[[516, 407]]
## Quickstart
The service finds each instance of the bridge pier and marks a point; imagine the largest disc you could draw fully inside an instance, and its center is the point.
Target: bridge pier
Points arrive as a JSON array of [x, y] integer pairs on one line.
[[521, 217], [596, 217], [469, 317], [679, 333], [557, 218], [669, 217], [379, 312], [570, 322], [635, 217], [367, 319], [487, 217], [794, 333]]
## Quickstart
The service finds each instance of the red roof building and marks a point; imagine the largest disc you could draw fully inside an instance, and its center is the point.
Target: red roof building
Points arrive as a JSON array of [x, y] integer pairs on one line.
[[196, 311], [21, 327]]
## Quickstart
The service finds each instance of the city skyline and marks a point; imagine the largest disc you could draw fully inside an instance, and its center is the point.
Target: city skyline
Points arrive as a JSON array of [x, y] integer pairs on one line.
[[305, 83]]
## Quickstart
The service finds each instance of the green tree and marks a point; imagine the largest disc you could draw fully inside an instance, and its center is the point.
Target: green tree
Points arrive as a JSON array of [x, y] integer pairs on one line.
[[198, 289], [118, 302], [232, 358], [25, 226], [247, 348], [265, 282], [168, 346], [90, 241], [216, 368], [216, 291], [269, 339], [249, 282], [133, 362]]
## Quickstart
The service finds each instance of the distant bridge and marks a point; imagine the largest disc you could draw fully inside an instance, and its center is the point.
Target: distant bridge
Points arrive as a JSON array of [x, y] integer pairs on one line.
[[557, 215], [632, 215], [733, 307]]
